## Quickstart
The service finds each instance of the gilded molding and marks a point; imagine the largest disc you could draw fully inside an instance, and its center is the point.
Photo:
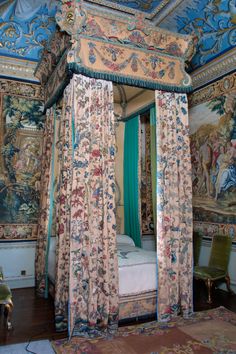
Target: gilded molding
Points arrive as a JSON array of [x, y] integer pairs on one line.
[[27, 90], [217, 68], [220, 87], [126, 9], [18, 68]]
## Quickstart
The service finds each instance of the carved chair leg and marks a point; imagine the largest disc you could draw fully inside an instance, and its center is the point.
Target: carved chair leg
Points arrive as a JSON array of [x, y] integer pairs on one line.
[[227, 280], [209, 284], [8, 313]]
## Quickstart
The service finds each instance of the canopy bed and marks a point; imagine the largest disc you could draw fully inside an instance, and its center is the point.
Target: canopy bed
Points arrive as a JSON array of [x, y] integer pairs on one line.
[[78, 185]]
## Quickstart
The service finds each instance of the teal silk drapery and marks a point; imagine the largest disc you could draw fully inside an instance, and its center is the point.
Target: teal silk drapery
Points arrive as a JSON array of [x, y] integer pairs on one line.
[[131, 180], [153, 162]]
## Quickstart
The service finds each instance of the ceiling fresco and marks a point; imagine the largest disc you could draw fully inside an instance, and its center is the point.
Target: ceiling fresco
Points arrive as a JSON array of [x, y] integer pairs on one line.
[[25, 27], [213, 22]]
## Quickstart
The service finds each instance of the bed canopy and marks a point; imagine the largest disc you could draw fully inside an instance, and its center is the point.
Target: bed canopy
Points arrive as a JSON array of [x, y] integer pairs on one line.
[[93, 49]]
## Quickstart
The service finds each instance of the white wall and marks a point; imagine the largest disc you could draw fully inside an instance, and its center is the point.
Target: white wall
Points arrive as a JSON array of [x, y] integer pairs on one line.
[[16, 257]]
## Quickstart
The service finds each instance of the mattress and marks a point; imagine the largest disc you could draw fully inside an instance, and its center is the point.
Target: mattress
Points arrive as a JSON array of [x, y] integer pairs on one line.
[[137, 267], [137, 270]]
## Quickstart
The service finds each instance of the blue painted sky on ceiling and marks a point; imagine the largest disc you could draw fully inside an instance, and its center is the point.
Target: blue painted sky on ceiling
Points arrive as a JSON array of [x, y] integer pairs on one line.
[[213, 22], [147, 6], [25, 26]]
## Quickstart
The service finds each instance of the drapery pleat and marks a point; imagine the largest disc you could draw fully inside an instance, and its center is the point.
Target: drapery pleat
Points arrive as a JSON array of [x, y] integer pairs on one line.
[[174, 206], [93, 290], [78, 192], [45, 205], [131, 181], [63, 212], [153, 161]]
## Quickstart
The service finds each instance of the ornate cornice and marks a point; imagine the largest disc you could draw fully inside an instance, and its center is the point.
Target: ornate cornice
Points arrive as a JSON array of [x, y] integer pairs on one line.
[[126, 9], [18, 68], [220, 87], [165, 11], [214, 70], [27, 90]]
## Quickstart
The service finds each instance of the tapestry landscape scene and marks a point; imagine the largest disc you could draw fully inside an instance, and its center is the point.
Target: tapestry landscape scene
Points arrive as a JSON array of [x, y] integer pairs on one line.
[[21, 135], [213, 149]]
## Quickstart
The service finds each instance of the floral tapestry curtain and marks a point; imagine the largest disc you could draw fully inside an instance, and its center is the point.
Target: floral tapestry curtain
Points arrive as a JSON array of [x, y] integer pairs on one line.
[[43, 229], [63, 209], [174, 206], [78, 193], [93, 290]]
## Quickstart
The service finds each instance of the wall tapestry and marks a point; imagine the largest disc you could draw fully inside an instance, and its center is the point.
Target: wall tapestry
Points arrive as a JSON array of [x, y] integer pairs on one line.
[[213, 149], [21, 123], [146, 181]]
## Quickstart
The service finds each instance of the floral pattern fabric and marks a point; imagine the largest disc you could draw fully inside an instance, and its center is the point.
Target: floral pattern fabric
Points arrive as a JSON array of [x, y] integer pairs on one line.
[[78, 195], [63, 208], [93, 291], [174, 206], [42, 239]]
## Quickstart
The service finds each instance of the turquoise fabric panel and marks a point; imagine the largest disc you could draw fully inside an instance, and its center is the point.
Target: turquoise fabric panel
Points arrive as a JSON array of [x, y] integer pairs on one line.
[[131, 180]]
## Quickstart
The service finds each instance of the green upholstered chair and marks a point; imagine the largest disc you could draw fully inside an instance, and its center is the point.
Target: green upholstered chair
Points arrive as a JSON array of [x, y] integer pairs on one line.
[[6, 299], [197, 242], [217, 268]]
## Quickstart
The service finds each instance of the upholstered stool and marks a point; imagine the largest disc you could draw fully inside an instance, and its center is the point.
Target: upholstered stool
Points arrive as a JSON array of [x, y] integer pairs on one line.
[[6, 299]]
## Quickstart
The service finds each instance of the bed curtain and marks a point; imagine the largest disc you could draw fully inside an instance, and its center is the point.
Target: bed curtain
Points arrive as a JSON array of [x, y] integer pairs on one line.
[[132, 158], [45, 217], [87, 269], [174, 206]]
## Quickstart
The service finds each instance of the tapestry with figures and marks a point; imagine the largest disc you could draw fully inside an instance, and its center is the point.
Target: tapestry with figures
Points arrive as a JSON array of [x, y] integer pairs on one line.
[[213, 150], [147, 222], [22, 121]]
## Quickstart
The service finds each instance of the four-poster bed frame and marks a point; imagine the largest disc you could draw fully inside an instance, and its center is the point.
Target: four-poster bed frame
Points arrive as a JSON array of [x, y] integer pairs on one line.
[[121, 49]]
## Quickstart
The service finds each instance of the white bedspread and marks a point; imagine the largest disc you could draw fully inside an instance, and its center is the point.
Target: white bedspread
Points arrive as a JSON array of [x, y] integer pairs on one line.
[[137, 268]]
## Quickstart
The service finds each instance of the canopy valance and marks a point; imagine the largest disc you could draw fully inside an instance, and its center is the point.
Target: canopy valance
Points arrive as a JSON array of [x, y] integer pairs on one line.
[[123, 49]]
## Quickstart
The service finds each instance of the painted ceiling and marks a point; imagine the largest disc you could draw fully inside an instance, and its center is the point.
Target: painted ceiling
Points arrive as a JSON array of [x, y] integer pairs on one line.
[[27, 25]]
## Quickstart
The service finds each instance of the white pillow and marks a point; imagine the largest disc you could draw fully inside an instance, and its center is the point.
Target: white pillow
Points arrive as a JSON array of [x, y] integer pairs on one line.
[[124, 239]]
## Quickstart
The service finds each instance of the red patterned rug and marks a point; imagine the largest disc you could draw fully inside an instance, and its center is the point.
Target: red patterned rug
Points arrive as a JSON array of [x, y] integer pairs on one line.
[[212, 331]]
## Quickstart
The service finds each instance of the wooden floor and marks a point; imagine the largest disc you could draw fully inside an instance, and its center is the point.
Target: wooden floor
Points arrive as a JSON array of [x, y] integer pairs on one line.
[[33, 316]]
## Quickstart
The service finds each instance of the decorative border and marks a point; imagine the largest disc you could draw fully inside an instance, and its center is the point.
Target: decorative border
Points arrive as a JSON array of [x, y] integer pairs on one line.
[[209, 229], [214, 70], [220, 87], [18, 88], [13, 232]]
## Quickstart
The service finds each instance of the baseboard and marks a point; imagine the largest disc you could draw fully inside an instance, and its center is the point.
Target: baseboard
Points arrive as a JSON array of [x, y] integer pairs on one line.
[[222, 286], [20, 282]]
